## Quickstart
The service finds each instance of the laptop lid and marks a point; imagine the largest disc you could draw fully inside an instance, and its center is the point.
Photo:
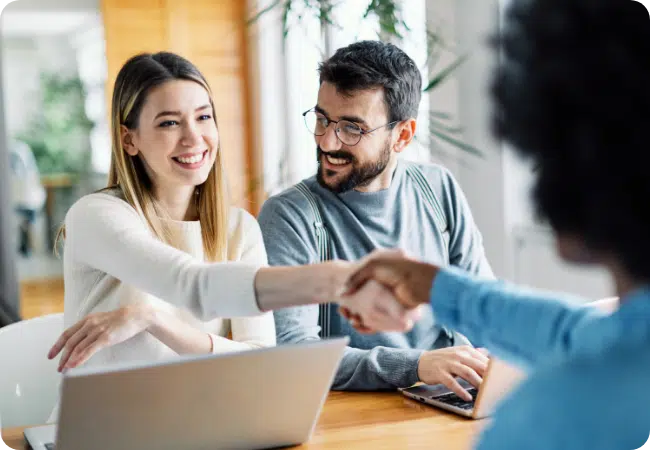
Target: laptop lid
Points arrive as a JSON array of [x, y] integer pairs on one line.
[[40, 438], [499, 380], [254, 399]]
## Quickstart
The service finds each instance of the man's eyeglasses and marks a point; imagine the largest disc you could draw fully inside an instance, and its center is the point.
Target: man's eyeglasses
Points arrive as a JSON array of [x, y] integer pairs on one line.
[[349, 133]]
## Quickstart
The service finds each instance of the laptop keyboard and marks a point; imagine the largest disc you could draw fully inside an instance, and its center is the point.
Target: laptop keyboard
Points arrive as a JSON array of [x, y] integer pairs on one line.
[[454, 400]]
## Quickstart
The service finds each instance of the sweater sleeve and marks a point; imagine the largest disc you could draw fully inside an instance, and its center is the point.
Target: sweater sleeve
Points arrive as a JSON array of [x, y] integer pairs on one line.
[[466, 249], [106, 234]]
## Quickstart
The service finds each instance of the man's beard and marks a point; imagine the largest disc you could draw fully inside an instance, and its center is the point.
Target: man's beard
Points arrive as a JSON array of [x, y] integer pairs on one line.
[[359, 176]]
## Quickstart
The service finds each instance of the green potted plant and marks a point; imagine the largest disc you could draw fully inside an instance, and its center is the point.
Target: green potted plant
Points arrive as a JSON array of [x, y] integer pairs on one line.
[[59, 134]]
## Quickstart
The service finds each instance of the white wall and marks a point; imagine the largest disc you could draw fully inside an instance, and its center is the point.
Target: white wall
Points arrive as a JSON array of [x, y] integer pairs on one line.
[[441, 19], [267, 60], [481, 179], [90, 51]]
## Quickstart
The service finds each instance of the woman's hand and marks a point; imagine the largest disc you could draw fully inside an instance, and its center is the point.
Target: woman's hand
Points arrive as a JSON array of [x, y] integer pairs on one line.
[[409, 280], [406, 285], [98, 331], [372, 307]]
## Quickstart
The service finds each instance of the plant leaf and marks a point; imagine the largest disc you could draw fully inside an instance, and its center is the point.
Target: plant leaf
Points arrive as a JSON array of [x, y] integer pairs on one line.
[[286, 8], [389, 13], [440, 114], [325, 8], [370, 9], [260, 13], [444, 73], [439, 124], [457, 143]]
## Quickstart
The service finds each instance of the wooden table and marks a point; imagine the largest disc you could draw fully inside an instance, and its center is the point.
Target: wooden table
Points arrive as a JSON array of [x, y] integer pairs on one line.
[[370, 421]]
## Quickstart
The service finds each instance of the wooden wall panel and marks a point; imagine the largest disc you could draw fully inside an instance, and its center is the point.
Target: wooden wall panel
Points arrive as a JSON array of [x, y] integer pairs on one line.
[[132, 27], [211, 34]]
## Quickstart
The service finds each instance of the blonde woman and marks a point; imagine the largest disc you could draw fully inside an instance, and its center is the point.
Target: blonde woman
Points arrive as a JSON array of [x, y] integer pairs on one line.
[[156, 261], [165, 186]]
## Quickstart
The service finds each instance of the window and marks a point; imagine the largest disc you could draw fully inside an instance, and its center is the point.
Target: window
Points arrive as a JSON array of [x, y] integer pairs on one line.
[[91, 63]]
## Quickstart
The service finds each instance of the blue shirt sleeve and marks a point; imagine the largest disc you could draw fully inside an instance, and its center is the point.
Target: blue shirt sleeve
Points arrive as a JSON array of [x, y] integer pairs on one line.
[[521, 325]]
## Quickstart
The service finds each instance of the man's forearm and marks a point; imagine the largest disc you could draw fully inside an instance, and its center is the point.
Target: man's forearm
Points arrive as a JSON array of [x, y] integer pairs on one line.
[[381, 368]]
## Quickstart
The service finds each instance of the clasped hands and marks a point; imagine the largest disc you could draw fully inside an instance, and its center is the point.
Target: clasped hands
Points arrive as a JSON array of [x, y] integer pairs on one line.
[[385, 291]]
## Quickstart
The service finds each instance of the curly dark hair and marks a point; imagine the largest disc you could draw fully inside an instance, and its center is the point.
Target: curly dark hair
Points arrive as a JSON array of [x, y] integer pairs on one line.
[[572, 93], [374, 64]]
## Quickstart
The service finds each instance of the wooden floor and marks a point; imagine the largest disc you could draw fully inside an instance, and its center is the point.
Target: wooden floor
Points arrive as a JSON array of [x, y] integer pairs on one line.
[[38, 298]]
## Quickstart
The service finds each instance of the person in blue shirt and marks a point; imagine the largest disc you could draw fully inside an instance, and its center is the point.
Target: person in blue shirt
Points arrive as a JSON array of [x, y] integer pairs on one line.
[[572, 93]]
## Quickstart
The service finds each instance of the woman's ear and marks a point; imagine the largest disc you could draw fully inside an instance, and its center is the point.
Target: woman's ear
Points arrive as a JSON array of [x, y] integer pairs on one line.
[[127, 141], [406, 130]]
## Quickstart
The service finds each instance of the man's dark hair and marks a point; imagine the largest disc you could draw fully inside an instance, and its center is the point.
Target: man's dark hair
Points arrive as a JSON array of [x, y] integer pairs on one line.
[[572, 93], [373, 64]]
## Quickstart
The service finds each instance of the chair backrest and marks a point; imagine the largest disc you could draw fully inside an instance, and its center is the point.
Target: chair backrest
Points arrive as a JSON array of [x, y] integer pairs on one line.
[[29, 382]]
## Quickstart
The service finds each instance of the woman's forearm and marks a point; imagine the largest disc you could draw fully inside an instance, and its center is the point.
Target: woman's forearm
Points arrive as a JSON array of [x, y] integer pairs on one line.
[[183, 338], [276, 288], [222, 345], [283, 287], [177, 334]]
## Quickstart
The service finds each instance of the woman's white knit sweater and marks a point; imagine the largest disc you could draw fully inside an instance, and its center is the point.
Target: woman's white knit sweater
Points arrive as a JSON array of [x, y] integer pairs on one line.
[[112, 259]]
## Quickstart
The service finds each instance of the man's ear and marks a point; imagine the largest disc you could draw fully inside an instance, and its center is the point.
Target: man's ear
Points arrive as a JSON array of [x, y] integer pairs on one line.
[[127, 141], [406, 132]]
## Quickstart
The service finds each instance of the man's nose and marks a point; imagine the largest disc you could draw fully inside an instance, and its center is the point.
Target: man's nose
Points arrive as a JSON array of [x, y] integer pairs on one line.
[[329, 141]]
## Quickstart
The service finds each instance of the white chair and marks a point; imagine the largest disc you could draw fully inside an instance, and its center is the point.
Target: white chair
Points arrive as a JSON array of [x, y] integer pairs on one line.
[[29, 382]]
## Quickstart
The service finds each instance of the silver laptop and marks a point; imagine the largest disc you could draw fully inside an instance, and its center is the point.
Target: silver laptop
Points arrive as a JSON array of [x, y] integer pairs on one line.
[[500, 378], [250, 400]]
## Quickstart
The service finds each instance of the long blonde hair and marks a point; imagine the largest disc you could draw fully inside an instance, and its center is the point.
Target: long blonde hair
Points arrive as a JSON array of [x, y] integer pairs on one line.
[[136, 79]]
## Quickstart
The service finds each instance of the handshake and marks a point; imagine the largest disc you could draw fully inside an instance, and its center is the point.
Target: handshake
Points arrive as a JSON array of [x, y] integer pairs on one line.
[[384, 293], [385, 290]]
